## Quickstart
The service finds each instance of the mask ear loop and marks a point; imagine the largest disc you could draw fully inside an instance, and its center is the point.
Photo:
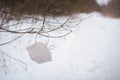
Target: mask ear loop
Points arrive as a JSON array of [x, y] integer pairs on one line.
[[51, 47], [35, 38], [47, 41]]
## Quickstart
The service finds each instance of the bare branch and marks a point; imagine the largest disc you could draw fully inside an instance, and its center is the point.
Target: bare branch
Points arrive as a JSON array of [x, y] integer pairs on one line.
[[11, 40], [2, 53], [56, 36]]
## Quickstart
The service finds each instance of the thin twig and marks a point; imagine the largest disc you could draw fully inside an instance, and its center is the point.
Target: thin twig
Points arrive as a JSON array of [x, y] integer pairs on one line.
[[3, 53], [55, 36], [11, 40], [61, 26]]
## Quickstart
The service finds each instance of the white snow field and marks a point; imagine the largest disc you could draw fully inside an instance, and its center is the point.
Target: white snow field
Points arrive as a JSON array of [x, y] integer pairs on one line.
[[90, 53]]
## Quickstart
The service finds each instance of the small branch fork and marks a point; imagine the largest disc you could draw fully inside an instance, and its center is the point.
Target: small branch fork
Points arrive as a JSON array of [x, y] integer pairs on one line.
[[4, 63]]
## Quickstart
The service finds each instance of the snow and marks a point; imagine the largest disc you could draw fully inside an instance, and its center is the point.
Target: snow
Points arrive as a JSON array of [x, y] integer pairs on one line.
[[103, 2], [90, 53]]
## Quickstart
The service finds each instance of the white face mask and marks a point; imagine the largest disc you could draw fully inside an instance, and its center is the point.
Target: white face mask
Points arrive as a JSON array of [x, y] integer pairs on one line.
[[39, 53], [103, 2]]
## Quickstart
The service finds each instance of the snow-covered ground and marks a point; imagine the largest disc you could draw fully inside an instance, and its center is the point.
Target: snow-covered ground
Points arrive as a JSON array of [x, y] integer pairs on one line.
[[90, 53]]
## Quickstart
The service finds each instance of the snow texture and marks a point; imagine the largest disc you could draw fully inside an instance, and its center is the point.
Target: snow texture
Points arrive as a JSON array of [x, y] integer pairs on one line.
[[90, 53]]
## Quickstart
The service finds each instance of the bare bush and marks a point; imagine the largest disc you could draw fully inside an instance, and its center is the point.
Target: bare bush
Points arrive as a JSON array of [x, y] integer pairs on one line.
[[42, 12], [54, 7]]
